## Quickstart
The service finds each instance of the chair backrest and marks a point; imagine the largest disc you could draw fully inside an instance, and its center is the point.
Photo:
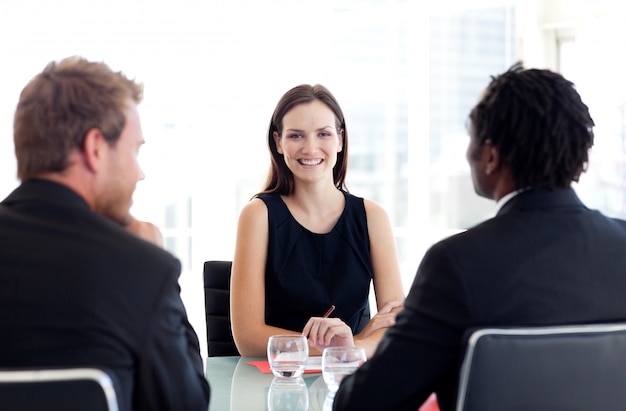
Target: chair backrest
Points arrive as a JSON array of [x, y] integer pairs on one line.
[[217, 309], [559, 368], [66, 389]]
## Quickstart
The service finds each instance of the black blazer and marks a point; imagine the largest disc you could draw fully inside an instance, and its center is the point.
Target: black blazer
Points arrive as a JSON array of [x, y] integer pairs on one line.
[[544, 259], [76, 289]]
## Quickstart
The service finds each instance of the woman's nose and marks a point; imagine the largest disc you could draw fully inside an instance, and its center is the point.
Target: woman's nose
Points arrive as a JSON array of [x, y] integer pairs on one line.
[[310, 144]]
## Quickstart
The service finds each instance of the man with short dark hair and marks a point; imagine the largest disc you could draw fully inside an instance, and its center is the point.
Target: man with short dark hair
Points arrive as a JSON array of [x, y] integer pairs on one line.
[[82, 282], [544, 259]]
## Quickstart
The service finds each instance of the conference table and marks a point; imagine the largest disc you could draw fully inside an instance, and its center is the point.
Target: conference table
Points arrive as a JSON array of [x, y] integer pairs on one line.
[[239, 386]]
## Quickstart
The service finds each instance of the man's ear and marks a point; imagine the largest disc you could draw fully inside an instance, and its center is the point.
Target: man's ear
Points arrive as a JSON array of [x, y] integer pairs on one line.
[[277, 142], [93, 149], [493, 159]]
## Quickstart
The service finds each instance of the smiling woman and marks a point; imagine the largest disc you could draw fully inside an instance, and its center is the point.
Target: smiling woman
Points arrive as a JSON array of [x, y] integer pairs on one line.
[[310, 141], [304, 243]]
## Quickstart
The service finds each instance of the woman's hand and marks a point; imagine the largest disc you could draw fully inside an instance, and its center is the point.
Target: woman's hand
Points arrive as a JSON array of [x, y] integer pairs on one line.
[[384, 318], [327, 332]]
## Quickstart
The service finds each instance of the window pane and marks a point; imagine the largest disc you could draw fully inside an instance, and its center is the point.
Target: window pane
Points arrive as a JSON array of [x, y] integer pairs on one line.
[[466, 48], [595, 62]]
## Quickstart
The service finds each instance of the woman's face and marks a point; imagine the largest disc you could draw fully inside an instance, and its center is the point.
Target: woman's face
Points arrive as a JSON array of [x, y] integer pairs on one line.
[[310, 141]]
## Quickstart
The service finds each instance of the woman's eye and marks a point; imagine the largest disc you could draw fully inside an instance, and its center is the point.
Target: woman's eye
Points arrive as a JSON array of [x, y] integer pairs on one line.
[[295, 136]]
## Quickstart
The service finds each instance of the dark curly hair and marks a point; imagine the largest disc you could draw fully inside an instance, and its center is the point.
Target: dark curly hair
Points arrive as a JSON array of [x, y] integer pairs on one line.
[[539, 124]]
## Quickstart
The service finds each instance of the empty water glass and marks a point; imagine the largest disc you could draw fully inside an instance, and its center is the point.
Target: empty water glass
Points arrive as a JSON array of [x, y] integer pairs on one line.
[[338, 362], [287, 355]]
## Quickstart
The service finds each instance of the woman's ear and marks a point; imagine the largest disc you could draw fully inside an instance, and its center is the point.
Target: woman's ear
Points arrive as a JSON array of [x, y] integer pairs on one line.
[[277, 142], [340, 149]]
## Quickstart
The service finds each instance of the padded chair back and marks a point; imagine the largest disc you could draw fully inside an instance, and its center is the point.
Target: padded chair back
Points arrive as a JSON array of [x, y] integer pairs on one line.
[[67, 389], [217, 309], [562, 368]]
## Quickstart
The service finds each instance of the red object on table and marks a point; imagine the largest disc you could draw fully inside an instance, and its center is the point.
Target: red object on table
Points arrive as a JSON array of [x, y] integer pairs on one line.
[[264, 367], [430, 404]]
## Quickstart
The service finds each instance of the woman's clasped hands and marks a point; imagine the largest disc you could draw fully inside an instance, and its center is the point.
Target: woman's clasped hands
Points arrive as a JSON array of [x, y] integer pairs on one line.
[[384, 318], [323, 332], [327, 332]]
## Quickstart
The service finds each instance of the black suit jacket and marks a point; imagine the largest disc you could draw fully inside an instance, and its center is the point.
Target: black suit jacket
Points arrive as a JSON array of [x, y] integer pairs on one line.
[[76, 289], [544, 259]]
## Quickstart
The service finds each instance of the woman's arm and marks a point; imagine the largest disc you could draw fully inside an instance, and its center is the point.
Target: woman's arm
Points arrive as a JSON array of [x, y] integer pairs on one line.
[[387, 281], [247, 286]]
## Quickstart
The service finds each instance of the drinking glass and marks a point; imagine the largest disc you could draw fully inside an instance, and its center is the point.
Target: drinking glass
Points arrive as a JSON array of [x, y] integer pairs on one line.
[[288, 396], [328, 402], [338, 362], [287, 355]]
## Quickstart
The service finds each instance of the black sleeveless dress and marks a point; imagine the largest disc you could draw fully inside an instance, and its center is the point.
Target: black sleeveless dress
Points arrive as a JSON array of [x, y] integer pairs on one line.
[[306, 272]]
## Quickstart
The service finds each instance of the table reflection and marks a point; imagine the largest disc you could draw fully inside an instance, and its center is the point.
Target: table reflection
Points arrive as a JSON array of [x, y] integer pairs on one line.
[[238, 386], [288, 395]]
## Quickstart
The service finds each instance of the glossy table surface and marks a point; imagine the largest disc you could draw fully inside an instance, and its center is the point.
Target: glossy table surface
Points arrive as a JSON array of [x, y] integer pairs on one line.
[[238, 386]]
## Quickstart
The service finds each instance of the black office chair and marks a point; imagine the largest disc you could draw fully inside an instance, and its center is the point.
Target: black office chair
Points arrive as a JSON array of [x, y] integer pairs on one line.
[[562, 368], [66, 389], [217, 309]]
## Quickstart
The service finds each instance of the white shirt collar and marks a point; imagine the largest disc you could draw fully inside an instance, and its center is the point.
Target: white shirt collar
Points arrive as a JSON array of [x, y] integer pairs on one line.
[[503, 200]]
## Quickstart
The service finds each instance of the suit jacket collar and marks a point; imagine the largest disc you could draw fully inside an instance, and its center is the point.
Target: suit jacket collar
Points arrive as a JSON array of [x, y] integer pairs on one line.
[[47, 191], [542, 198]]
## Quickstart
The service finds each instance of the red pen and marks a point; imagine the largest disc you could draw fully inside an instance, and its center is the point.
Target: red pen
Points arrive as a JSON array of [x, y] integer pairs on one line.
[[329, 311]]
